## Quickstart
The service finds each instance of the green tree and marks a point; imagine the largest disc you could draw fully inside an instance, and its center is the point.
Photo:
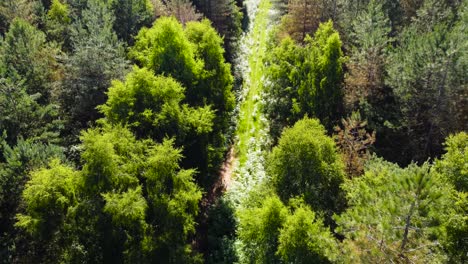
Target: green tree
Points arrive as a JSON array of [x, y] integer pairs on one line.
[[258, 230], [152, 106], [23, 117], [321, 94], [283, 78], [395, 214], [165, 49], [214, 87], [306, 163], [220, 232], [424, 73], [25, 56], [305, 80], [17, 162], [129, 202], [304, 239], [227, 19], [453, 163], [50, 196], [194, 58], [98, 57], [453, 167], [26, 10], [58, 24], [130, 17]]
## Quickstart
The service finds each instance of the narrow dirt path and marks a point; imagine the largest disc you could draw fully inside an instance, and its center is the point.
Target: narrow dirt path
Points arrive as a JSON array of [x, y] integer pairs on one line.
[[222, 184]]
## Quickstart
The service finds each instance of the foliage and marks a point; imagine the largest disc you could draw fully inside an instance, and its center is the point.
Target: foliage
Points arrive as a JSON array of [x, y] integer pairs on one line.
[[453, 163], [98, 57], [304, 239], [306, 163], [17, 162], [129, 191], [183, 10], [302, 19], [165, 49], [193, 57], [425, 81], [130, 17], [365, 80], [395, 214], [26, 10], [22, 115], [354, 143], [48, 196], [282, 73], [27, 57], [152, 106], [259, 229], [221, 233], [227, 19], [453, 167], [58, 23], [307, 80]]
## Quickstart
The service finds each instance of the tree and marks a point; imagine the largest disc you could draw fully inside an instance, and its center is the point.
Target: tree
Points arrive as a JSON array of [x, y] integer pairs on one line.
[[395, 214], [26, 10], [194, 58], [58, 24], [424, 77], [306, 163], [165, 49], [305, 80], [130, 17], [354, 143], [282, 75], [259, 228], [453, 163], [27, 57], [23, 117], [303, 18], [365, 80], [452, 167], [321, 94], [214, 87], [227, 18], [152, 107], [17, 163], [98, 57], [220, 233], [304, 239], [183, 10], [129, 202]]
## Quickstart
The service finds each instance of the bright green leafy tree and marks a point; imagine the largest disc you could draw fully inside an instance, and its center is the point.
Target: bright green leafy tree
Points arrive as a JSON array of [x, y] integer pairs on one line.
[[304, 239], [129, 202], [306, 163]]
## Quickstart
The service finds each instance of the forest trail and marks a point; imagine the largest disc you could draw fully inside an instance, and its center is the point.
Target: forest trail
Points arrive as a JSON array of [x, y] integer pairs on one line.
[[242, 171], [251, 132]]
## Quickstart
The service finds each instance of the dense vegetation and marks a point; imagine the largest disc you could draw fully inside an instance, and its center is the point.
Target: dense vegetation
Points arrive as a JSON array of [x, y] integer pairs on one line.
[[233, 131]]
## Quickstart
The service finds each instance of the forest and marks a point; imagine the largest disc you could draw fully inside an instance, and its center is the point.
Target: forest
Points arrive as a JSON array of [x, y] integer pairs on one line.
[[234, 131]]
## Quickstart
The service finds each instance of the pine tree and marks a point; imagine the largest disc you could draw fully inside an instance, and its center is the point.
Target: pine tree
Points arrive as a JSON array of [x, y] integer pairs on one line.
[[303, 18], [98, 57], [395, 214]]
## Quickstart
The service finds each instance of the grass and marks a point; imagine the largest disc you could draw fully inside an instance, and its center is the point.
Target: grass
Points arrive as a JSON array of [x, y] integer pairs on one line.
[[250, 122]]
